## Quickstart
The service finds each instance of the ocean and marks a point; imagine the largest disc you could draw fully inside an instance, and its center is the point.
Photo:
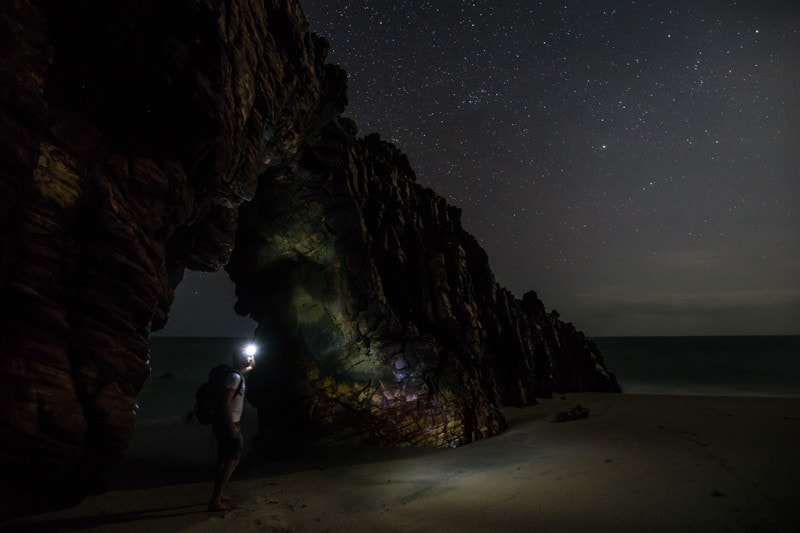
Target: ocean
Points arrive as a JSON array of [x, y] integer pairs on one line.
[[717, 366], [706, 366], [168, 447]]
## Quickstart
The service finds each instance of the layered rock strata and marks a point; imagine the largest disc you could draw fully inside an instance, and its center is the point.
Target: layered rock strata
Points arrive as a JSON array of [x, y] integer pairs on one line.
[[130, 134], [381, 318]]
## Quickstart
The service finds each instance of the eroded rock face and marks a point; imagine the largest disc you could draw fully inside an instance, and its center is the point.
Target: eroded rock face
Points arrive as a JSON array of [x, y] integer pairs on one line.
[[130, 134], [382, 319]]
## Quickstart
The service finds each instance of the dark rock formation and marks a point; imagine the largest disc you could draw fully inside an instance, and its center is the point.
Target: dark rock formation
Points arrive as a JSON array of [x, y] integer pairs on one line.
[[382, 310], [576, 413], [130, 133]]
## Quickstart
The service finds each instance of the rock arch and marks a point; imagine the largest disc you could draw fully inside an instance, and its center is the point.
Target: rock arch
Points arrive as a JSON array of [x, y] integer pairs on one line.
[[129, 141]]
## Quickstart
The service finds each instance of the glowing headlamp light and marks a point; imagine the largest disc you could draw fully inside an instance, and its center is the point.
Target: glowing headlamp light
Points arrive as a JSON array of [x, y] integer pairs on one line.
[[250, 349]]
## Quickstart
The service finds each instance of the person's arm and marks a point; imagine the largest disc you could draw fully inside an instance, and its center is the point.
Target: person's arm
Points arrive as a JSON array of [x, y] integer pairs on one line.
[[227, 409]]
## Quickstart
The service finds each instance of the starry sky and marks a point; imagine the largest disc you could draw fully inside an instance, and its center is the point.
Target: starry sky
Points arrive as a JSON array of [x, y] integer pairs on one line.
[[635, 163]]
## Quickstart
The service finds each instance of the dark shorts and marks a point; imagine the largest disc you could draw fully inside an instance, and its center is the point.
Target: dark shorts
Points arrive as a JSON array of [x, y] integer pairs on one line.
[[229, 448]]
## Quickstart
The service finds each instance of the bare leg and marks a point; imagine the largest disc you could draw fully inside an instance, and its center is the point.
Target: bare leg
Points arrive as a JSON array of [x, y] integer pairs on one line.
[[224, 471]]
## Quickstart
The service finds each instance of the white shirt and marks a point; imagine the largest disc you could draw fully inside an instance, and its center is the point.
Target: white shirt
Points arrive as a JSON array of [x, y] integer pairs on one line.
[[237, 403]]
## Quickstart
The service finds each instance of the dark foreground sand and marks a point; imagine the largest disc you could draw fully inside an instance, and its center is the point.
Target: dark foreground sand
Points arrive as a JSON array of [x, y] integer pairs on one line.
[[637, 463]]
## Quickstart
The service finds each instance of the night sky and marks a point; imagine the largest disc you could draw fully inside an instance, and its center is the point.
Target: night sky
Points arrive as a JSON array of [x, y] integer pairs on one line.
[[637, 164]]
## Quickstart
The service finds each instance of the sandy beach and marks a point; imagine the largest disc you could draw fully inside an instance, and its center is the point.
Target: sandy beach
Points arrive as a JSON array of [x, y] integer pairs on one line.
[[636, 463]]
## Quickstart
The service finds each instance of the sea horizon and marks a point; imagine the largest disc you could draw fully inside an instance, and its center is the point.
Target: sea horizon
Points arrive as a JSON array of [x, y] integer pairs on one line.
[[705, 365]]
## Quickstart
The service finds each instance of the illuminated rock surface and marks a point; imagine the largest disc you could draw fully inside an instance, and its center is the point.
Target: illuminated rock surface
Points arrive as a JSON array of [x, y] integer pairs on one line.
[[383, 310], [129, 137]]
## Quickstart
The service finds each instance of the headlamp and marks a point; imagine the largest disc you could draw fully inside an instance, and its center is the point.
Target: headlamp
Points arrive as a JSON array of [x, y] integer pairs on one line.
[[250, 349]]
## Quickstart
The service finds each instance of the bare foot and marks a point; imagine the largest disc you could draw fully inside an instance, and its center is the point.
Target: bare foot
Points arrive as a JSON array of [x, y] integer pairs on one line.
[[216, 507], [225, 498]]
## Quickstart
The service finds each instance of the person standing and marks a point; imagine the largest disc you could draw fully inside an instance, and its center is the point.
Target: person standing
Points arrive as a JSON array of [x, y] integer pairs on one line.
[[226, 427]]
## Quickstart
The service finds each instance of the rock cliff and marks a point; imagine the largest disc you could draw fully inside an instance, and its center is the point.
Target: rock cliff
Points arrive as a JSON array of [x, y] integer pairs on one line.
[[130, 135], [382, 310]]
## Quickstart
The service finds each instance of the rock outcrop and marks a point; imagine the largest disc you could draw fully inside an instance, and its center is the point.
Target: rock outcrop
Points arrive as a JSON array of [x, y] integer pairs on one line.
[[381, 317], [130, 134]]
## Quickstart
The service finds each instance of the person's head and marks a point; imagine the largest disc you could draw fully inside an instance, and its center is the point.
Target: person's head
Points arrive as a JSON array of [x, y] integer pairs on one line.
[[243, 361]]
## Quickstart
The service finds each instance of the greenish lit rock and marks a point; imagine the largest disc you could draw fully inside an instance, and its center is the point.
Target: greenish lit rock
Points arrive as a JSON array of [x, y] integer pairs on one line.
[[383, 320], [140, 139]]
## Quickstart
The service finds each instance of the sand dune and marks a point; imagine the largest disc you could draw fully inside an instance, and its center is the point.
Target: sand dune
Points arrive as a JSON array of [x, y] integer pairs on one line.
[[637, 463]]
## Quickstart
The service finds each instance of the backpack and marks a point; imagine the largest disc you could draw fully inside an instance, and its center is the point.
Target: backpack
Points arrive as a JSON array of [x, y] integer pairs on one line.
[[208, 398]]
